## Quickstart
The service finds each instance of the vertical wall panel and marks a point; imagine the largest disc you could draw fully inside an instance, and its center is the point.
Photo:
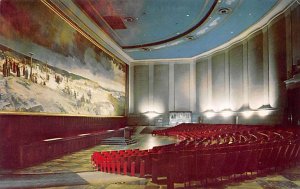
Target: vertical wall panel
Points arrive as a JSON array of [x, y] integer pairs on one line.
[[141, 88], [236, 77], [266, 65], [295, 18], [193, 86], [161, 88], [255, 70], [277, 61], [226, 79], [182, 86], [131, 89], [202, 85], [171, 88], [218, 81]]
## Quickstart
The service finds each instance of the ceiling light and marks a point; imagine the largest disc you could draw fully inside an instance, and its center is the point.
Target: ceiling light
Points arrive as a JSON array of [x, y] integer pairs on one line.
[[129, 19], [224, 10], [190, 37], [187, 15]]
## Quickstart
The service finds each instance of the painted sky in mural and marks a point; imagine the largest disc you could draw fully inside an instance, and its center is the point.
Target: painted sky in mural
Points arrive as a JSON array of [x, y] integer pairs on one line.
[[90, 81]]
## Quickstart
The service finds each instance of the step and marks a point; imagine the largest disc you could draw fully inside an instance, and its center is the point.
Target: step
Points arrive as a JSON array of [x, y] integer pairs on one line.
[[118, 141]]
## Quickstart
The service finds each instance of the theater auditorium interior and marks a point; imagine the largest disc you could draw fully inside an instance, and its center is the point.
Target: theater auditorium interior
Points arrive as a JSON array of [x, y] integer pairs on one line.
[[150, 94]]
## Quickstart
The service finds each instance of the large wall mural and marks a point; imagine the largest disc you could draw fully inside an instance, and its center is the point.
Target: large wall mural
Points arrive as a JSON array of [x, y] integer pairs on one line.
[[49, 67]]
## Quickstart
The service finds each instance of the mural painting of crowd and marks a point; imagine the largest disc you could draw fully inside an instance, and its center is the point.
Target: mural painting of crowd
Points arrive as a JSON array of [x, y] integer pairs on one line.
[[82, 90]]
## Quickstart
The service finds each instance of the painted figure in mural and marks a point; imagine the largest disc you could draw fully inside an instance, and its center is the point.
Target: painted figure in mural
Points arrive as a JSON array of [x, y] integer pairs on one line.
[[57, 79], [26, 73], [8, 68], [89, 93], [18, 70], [23, 66], [23, 69], [82, 99], [4, 71], [14, 67], [35, 78], [75, 94]]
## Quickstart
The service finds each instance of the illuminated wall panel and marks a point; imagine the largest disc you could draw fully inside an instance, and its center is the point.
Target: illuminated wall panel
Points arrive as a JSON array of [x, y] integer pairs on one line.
[[141, 88], [277, 61], [161, 88], [202, 85], [236, 77], [218, 82], [255, 70], [182, 86], [250, 72]]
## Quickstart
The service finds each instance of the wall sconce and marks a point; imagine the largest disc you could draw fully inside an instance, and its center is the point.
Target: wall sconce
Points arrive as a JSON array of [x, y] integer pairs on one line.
[[265, 110], [266, 107]]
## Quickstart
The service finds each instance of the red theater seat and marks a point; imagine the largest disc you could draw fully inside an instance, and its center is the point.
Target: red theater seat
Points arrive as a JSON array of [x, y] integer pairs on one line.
[[207, 151]]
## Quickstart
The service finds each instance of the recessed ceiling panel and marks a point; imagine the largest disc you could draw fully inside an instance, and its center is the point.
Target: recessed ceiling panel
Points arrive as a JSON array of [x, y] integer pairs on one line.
[[167, 29], [147, 21]]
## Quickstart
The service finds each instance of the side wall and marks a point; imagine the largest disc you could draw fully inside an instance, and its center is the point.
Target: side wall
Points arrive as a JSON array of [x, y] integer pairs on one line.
[[61, 68], [20, 130], [243, 83]]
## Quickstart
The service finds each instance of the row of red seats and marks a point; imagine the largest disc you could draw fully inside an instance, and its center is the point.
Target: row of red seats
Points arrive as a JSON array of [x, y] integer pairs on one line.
[[200, 165], [196, 164], [256, 149]]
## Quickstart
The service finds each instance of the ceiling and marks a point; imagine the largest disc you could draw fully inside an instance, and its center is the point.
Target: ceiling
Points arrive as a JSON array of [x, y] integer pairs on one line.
[[168, 29]]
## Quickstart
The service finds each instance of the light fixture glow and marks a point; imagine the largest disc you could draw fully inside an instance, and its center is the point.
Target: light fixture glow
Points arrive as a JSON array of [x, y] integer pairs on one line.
[[210, 114], [151, 114], [85, 134], [263, 113], [226, 113], [52, 139], [247, 114]]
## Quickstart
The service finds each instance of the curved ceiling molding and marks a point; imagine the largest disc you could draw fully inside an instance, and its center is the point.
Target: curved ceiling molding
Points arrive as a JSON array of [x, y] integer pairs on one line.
[[219, 14], [243, 15], [186, 33], [173, 19], [273, 14], [138, 22]]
